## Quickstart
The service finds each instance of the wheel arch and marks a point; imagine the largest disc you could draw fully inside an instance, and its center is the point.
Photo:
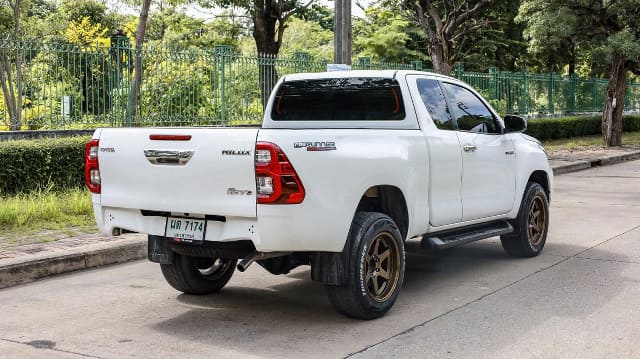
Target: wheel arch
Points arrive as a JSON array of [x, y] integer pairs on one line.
[[389, 200], [542, 178]]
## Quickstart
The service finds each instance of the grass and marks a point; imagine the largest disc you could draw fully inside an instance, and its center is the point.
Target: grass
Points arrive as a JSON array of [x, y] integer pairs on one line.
[[628, 139], [52, 212]]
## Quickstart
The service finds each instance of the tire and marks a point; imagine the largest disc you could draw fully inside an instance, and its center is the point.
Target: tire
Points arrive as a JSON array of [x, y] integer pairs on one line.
[[195, 275], [367, 294], [531, 225]]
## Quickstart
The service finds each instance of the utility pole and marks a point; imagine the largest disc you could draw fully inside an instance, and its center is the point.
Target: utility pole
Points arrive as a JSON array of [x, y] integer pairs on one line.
[[342, 32]]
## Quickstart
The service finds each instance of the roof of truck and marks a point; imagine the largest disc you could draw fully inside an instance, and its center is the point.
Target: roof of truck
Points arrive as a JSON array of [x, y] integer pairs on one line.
[[357, 73]]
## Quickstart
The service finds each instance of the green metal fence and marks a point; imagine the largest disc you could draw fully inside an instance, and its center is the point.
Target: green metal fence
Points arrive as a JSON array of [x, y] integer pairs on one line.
[[65, 86]]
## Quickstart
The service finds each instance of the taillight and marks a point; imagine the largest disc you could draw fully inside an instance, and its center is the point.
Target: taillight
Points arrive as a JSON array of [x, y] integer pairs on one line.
[[91, 167], [276, 180]]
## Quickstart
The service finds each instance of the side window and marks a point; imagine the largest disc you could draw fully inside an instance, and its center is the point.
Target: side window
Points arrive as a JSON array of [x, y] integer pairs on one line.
[[469, 113], [434, 101]]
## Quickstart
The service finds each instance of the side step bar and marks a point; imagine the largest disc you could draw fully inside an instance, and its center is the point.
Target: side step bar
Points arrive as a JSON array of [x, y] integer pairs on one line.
[[452, 238]]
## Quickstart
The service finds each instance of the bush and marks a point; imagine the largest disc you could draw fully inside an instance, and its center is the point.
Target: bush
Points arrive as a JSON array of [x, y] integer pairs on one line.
[[575, 126], [32, 165]]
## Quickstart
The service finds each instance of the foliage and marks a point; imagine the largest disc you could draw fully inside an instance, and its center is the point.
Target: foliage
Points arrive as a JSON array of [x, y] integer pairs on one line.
[[180, 31], [309, 37], [575, 126], [31, 165], [610, 31], [447, 25], [77, 10], [385, 36], [84, 33], [319, 14]]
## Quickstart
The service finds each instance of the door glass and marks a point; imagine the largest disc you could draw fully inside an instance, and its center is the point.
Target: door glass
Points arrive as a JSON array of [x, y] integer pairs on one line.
[[469, 113], [434, 101]]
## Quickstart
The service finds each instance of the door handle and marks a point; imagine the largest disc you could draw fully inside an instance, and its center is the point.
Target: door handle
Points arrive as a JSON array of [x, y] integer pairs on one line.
[[469, 148]]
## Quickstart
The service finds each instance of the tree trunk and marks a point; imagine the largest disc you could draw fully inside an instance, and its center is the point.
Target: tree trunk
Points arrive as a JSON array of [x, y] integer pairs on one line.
[[7, 91], [264, 33], [132, 105], [440, 60], [614, 103], [12, 100]]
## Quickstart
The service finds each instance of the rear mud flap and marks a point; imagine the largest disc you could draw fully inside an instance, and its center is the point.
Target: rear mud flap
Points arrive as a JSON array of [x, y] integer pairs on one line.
[[158, 250]]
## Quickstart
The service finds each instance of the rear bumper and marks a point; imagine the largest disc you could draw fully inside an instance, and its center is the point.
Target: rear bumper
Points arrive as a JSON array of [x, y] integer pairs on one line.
[[110, 220], [279, 228]]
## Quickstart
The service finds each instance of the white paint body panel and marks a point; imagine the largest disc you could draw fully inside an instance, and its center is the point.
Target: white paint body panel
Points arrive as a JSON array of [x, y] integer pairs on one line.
[[443, 189]]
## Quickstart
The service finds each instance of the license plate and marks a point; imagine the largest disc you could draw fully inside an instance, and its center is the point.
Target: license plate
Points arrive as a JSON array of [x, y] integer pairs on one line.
[[185, 229]]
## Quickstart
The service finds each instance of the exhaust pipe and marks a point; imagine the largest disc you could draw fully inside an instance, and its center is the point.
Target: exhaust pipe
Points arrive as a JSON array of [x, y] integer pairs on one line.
[[256, 256]]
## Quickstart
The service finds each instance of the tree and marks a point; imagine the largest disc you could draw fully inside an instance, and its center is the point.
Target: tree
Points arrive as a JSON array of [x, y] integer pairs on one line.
[[611, 28], [307, 36], [385, 36], [269, 22], [12, 96], [132, 104], [446, 23]]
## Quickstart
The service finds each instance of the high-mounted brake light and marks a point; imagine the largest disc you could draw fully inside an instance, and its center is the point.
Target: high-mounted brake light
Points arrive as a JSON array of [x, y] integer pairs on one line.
[[276, 180], [170, 137], [91, 166]]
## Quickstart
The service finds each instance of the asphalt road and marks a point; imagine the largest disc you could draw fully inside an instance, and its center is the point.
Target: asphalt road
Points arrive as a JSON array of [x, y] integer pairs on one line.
[[580, 298]]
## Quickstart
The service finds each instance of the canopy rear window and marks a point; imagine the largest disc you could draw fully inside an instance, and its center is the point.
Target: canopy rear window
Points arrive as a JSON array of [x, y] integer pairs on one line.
[[339, 99]]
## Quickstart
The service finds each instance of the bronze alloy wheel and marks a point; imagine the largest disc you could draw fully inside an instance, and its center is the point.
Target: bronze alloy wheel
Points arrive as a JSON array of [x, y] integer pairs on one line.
[[537, 220], [382, 267]]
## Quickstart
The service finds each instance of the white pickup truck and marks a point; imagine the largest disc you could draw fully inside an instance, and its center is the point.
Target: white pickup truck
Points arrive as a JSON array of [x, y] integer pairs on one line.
[[345, 168]]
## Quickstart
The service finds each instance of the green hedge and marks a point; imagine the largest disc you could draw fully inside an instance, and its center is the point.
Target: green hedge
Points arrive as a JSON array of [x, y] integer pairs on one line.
[[31, 165], [575, 126]]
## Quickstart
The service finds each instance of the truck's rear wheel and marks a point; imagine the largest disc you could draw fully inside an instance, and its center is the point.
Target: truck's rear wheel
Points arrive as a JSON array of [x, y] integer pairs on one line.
[[531, 225], [375, 268], [195, 275]]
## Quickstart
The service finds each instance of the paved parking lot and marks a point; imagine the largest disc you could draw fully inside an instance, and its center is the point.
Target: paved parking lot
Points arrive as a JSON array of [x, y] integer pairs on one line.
[[580, 298]]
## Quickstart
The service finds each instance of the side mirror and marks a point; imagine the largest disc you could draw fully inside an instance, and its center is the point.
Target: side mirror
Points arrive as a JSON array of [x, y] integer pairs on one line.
[[513, 123]]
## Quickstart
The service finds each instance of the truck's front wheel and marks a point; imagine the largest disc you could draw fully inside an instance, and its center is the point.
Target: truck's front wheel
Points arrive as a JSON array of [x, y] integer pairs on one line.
[[374, 269], [195, 275], [531, 226]]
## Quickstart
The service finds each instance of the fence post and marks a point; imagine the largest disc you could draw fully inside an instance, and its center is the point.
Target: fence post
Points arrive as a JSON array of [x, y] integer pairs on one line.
[[458, 70], [223, 52], [120, 60], [594, 94], [364, 63], [524, 102], [507, 77], [302, 60], [493, 83], [573, 99], [627, 97], [550, 107], [417, 65]]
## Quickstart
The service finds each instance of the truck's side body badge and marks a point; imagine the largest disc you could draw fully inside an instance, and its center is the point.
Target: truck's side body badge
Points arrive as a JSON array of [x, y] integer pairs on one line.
[[316, 146], [236, 152], [239, 192]]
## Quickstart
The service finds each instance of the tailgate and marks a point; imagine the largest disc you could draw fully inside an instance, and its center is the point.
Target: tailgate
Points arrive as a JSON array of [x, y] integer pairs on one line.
[[212, 172]]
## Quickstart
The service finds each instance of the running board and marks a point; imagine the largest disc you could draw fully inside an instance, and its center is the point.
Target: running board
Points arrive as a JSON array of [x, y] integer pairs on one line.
[[456, 237]]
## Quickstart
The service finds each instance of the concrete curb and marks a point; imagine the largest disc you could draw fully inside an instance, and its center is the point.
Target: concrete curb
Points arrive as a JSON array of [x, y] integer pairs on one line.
[[571, 167], [53, 264], [603, 161]]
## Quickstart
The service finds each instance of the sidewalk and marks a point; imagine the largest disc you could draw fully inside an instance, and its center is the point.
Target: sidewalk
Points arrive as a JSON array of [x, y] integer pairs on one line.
[[25, 263]]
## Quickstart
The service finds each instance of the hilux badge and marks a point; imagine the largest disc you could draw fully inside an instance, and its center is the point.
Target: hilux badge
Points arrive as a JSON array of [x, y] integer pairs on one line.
[[236, 152]]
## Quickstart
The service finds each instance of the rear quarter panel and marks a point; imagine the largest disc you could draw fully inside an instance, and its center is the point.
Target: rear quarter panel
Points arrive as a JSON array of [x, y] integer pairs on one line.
[[335, 180]]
